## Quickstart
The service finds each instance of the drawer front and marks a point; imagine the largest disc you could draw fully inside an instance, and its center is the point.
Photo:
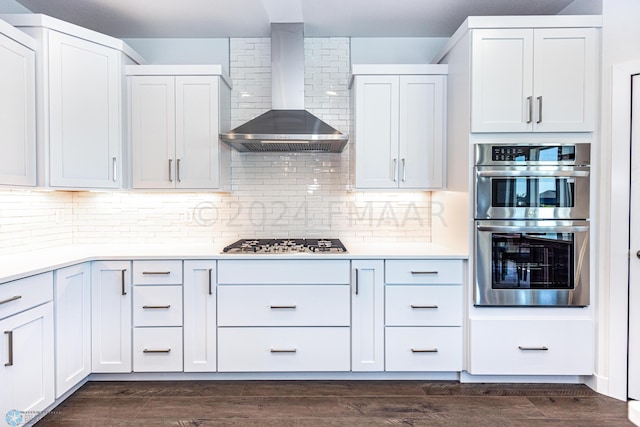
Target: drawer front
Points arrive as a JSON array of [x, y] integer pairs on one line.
[[157, 349], [288, 305], [23, 294], [429, 271], [423, 349], [423, 305], [283, 349], [157, 306], [531, 347], [284, 272], [165, 272]]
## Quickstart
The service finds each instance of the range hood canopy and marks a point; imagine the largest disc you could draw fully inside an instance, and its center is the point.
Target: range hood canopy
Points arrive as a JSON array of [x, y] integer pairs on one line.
[[287, 127]]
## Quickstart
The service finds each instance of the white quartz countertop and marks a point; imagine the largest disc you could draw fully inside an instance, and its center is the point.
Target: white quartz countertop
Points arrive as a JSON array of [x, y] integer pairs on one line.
[[23, 264]]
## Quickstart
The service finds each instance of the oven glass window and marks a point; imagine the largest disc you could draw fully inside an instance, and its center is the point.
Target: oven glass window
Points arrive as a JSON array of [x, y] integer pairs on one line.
[[532, 260], [532, 192]]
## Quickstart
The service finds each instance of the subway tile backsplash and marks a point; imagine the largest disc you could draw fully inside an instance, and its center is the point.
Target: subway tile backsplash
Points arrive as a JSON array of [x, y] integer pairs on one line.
[[273, 194]]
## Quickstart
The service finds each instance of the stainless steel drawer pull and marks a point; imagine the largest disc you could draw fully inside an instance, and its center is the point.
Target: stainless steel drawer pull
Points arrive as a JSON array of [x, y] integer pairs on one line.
[[166, 350], [156, 306], [156, 272], [10, 345], [284, 350], [122, 279], [210, 290], [424, 272], [426, 350], [542, 348], [423, 306], [17, 297], [357, 281], [282, 307]]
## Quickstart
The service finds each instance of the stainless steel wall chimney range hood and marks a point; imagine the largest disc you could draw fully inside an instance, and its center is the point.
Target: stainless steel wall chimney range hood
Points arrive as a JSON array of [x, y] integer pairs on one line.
[[288, 127]]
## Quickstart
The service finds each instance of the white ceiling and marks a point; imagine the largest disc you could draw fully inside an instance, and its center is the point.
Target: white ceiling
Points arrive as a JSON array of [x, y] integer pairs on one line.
[[251, 18]]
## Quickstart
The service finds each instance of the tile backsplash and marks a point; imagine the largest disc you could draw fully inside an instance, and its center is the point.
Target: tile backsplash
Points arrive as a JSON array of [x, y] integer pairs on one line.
[[273, 195]]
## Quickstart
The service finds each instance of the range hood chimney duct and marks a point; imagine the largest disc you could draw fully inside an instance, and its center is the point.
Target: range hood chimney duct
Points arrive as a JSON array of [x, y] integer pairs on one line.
[[287, 127]]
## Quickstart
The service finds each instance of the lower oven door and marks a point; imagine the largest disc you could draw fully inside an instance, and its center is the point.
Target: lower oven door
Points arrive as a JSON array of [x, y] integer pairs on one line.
[[532, 263]]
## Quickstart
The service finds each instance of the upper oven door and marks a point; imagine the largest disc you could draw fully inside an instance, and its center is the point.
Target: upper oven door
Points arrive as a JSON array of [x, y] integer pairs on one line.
[[532, 192]]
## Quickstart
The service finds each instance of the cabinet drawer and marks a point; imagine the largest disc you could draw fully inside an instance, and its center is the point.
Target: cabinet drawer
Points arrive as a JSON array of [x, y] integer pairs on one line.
[[284, 272], [429, 271], [157, 349], [22, 294], [289, 305], [157, 306], [423, 349], [283, 349], [531, 347], [167, 272], [423, 305]]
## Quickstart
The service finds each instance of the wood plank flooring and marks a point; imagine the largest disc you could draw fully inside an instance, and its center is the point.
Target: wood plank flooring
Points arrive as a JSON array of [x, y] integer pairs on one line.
[[335, 403]]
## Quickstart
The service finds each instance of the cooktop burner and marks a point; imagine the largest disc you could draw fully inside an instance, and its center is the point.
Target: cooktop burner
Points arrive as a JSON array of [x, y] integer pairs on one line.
[[263, 246]]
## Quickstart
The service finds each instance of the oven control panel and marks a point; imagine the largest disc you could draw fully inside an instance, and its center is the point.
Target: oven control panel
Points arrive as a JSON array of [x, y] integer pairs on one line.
[[533, 153]]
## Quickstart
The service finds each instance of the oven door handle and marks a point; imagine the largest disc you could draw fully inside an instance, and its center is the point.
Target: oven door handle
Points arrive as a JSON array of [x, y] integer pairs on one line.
[[533, 229], [534, 173]]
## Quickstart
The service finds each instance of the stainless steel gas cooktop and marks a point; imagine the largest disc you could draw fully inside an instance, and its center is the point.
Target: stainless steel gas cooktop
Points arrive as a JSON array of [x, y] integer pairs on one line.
[[265, 246]]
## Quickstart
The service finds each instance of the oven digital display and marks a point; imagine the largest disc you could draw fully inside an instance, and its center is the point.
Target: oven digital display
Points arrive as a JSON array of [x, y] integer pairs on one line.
[[533, 153]]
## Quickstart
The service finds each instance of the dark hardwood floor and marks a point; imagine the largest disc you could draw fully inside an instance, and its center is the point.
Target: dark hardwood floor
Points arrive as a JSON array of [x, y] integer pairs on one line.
[[335, 403]]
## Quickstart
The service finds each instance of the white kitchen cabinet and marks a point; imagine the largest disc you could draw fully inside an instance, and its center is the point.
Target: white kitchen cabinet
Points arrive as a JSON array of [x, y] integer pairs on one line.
[[72, 305], [27, 346], [17, 107], [367, 315], [111, 316], [533, 80], [81, 103], [399, 130], [175, 125], [200, 332]]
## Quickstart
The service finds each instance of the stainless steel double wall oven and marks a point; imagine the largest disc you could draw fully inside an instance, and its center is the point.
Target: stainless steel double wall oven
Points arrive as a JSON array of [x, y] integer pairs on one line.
[[532, 224]]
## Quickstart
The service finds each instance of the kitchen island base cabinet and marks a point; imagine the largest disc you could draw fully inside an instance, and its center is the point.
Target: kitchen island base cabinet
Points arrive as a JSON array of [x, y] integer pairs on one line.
[[423, 349], [531, 347], [291, 349]]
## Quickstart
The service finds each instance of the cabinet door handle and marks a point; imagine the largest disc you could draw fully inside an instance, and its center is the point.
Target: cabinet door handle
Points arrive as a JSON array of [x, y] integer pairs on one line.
[[424, 272], [283, 350], [282, 307], [170, 171], [156, 306], [530, 109], [10, 345], [115, 169], [404, 170], [423, 306], [395, 170], [165, 350], [157, 272], [210, 280], [14, 298], [357, 281], [541, 348], [539, 109], [178, 170], [424, 350], [124, 291]]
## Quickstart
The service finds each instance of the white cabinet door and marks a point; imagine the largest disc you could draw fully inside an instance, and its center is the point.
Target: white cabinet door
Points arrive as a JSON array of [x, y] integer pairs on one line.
[[153, 131], [377, 121], [367, 315], [27, 368], [197, 129], [502, 80], [200, 316], [72, 299], [111, 316], [84, 113], [17, 114], [421, 128], [564, 79]]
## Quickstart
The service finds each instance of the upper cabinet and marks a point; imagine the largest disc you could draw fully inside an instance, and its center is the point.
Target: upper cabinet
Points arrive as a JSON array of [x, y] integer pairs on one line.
[[533, 80], [399, 126], [17, 107], [81, 103], [177, 113]]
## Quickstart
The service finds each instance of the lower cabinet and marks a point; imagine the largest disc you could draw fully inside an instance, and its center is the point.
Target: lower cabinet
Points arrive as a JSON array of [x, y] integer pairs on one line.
[[423, 349], [72, 302], [157, 349], [367, 315], [531, 347]]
